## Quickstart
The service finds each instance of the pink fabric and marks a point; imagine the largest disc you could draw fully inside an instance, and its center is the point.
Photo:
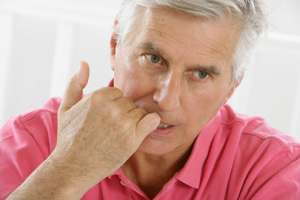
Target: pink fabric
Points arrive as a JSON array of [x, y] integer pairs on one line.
[[234, 157]]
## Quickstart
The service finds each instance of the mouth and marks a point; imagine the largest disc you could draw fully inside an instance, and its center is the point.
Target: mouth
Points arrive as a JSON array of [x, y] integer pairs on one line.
[[164, 129], [163, 125]]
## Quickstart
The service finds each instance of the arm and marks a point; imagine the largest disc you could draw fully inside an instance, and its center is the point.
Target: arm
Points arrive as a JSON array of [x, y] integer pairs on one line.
[[96, 135]]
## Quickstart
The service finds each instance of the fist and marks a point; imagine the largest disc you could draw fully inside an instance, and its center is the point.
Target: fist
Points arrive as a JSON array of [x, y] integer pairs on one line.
[[97, 133]]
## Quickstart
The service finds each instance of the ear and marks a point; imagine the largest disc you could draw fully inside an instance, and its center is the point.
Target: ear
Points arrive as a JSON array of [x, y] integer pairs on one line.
[[232, 89], [113, 46]]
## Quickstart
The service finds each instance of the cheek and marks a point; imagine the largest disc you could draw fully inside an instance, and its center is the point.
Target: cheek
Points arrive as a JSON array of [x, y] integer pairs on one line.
[[204, 105], [124, 72], [128, 82], [132, 81]]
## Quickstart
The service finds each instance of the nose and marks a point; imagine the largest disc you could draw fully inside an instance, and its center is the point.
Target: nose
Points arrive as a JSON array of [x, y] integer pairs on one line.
[[168, 92]]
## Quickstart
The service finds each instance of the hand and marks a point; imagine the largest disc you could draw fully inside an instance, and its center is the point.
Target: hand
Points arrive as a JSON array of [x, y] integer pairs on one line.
[[98, 133]]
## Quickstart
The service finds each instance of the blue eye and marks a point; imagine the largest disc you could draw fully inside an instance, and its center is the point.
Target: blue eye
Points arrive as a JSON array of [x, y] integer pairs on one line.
[[200, 74], [154, 59]]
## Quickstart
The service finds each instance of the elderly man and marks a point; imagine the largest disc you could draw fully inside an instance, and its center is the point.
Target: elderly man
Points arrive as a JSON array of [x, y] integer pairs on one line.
[[162, 129]]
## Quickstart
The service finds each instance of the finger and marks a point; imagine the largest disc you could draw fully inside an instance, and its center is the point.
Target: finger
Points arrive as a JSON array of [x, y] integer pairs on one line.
[[83, 74], [138, 113], [75, 87], [147, 124], [125, 103]]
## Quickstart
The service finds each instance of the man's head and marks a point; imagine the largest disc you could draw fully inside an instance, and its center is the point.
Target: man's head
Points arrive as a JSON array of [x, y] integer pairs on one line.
[[248, 14], [178, 65]]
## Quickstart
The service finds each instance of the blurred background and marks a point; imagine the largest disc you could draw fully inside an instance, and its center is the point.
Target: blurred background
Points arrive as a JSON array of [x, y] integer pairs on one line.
[[43, 41]]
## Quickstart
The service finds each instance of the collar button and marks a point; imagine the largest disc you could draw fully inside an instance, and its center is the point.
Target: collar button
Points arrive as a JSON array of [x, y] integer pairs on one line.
[[122, 183]]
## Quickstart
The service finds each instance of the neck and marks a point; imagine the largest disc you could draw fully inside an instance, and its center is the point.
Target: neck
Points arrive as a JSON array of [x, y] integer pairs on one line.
[[151, 172]]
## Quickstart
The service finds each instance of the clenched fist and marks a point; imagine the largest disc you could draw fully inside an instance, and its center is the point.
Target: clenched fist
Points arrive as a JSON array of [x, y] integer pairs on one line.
[[98, 133]]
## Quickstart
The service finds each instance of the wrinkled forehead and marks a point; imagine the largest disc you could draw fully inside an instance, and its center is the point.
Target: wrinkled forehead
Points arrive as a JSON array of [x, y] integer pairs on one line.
[[214, 37]]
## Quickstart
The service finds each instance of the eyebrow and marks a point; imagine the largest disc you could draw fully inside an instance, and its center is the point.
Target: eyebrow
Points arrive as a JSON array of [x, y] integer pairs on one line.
[[207, 69], [151, 47]]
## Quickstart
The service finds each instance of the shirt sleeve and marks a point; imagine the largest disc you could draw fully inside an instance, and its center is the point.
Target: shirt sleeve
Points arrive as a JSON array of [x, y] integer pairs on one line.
[[24, 145]]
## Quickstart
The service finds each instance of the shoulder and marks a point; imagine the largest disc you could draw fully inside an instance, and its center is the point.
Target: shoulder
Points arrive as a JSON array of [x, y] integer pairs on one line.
[[26, 141], [254, 128], [38, 126], [257, 147], [50, 108], [262, 157]]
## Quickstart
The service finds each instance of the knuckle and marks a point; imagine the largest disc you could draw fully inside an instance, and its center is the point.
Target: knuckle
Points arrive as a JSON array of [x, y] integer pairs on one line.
[[111, 92], [104, 95], [126, 102], [138, 113], [93, 99], [141, 111], [114, 107], [125, 122], [96, 95]]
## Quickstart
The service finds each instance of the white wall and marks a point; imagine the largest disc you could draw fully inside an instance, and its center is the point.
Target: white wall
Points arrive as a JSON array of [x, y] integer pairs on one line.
[[42, 42], [271, 86]]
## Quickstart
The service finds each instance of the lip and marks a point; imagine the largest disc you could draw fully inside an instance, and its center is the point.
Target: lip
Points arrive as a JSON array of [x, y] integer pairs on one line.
[[164, 131]]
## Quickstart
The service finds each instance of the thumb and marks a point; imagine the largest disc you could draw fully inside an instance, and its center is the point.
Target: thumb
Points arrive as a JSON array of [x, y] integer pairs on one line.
[[75, 87], [147, 124]]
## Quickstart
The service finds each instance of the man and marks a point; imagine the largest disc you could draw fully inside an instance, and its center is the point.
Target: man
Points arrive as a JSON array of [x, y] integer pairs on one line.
[[163, 131]]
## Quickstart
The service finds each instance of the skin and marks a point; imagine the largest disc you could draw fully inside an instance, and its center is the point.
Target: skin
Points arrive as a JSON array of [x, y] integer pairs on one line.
[[158, 69], [182, 82], [96, 135]]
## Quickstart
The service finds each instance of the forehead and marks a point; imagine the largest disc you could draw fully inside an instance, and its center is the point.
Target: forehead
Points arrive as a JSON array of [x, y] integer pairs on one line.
[[182, 34]]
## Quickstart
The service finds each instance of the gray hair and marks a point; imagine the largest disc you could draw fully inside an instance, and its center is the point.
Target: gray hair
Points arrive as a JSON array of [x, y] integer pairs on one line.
[[249, 14]]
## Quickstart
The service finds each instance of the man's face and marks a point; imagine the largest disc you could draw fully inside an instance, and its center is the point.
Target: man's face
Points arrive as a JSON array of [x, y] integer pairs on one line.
[[179, 67]]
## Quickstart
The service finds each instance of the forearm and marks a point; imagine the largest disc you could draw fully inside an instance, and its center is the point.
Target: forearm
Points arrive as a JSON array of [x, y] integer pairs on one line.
[[47, 182]]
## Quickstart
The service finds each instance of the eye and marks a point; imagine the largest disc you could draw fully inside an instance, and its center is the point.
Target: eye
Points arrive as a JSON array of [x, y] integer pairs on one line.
[[153, 58], [200, 74]]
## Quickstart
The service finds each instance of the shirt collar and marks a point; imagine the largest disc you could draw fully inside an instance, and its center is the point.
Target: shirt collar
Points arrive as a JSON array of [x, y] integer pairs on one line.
[[190, 174], [119, 172], [111, 83]]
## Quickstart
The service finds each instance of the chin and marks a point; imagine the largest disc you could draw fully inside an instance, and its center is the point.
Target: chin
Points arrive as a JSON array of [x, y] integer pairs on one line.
[[155, 147]]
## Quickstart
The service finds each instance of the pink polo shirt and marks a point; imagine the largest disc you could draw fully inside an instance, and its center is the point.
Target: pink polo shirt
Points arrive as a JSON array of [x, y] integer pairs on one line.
[[234, 157]]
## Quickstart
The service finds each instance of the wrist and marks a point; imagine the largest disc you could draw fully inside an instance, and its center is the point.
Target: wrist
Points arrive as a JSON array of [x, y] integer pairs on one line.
[[48, 182]]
